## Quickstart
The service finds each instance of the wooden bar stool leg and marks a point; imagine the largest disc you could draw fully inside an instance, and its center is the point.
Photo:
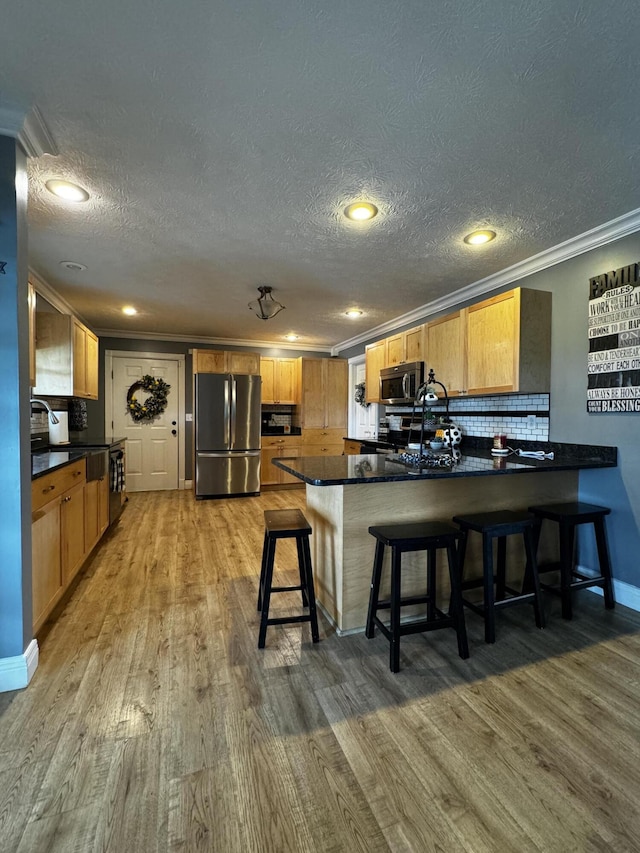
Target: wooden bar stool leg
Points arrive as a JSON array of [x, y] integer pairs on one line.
[[531, 572], [308, 572], [301, 569], [567, 532], [487, 568], [455, 603], [431, 584], [396, 586], [375, 590], [605, 562], [266, 592], [501, 574], [263, 569]]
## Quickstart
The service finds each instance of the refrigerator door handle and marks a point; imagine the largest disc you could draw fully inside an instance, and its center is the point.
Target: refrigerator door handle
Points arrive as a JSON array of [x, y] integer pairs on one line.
[[226, 454], [234, 397], [226, 413]]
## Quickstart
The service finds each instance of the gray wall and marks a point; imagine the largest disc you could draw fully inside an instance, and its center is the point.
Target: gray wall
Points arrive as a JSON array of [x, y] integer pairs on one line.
[[569, 421]]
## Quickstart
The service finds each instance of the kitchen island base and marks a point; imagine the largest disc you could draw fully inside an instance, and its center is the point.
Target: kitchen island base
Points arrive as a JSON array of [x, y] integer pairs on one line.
[[343, 549]]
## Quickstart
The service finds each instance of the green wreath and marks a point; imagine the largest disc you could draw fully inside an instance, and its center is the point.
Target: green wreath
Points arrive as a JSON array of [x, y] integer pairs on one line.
[[153, 405]]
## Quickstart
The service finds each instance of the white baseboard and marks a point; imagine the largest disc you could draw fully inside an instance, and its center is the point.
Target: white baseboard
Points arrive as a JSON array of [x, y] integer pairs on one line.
[[16, 672], [188, 485], [624, 593]]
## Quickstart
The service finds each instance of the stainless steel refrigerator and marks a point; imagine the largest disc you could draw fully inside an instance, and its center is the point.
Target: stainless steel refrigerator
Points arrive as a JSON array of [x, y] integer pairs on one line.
[[227, 434]]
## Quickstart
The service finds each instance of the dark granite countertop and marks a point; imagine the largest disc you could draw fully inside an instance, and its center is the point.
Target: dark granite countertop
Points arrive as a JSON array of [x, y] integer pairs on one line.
[[280, 431], [49, 460], [473, 462], [96, 441]]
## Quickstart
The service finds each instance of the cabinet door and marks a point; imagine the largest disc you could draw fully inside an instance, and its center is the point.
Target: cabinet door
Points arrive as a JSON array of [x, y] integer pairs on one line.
[[79, 360], [242, 362], [46, 574], [446, 351], [395, 350], [209, 361], [414, 344], [376, 357], [269, 474], [91, 369], [103, 504], [72, 532], [285, 384], [267, 372], [91, 515], [335, 393], [492, 345], [313, 402], [288, 452]]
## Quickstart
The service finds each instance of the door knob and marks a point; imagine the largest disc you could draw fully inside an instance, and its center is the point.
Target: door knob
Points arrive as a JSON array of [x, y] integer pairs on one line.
[[173, 423], [174, 432]]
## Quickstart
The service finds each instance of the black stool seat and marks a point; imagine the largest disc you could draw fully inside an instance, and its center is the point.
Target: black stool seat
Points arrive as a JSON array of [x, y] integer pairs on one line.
[[286, 524], [568, 516], [426, 536], [498, 525]]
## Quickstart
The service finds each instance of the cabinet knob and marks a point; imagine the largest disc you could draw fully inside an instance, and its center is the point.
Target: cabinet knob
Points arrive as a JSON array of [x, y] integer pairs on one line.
[[67, 499], [48, 489], [77, 473]]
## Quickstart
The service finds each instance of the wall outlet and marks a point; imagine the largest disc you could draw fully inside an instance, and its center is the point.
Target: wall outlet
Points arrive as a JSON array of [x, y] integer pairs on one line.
[[531, 421]]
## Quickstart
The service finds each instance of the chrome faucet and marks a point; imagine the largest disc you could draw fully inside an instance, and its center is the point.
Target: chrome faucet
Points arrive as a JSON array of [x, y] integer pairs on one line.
[[52, 415]]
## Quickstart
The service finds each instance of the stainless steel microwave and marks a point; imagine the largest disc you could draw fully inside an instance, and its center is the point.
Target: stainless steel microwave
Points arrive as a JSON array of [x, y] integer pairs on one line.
[[399, 385]]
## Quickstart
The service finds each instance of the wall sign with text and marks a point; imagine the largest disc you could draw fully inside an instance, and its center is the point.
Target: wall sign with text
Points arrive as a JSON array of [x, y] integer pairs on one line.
[[614, 341]]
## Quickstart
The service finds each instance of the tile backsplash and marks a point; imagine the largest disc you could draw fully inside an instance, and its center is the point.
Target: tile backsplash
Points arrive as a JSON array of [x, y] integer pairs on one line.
[[522, 417]]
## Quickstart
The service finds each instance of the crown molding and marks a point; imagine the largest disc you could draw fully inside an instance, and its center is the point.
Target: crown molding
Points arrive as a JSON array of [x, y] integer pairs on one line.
[[29, 129], [193, 339], [602, 235]]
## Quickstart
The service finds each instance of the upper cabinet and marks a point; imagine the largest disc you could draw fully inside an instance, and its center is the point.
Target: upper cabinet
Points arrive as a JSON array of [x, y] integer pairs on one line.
[[225, 361], [66, 357], [376, 359], [405, 346], [497, 346], [323, 384], [279, 380]]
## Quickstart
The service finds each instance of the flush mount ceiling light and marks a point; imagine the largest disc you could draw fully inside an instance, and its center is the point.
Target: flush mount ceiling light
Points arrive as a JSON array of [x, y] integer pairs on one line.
[[353, 312], [129, 310], [360, 210], [265, 306], [291, 337], [477, 238], [66, 190], [73, 266]]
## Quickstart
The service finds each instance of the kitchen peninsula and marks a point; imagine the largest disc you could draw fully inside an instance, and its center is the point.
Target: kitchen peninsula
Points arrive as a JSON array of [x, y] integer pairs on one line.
[[347, 494]]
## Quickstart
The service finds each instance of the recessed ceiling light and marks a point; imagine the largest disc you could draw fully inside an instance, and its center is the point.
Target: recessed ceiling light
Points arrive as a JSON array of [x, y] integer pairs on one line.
[[477, 238], [73, 265], [129, 310], [353, 312], [291, 337], [360, 210], [67, 190]]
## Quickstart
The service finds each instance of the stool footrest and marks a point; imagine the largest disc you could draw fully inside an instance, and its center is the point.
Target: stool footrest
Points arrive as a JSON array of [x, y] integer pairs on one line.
[[285, 620], [404, 602], [417, 626], [287, 588]]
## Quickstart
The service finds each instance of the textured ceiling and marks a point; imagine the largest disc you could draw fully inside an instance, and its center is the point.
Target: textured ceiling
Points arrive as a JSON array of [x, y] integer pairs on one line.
[[221, 141]]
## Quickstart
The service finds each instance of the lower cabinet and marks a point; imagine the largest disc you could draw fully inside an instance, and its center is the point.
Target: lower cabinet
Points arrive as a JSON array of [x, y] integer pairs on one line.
[[352, 447], [68, 517], [323, 442], [277, 447]]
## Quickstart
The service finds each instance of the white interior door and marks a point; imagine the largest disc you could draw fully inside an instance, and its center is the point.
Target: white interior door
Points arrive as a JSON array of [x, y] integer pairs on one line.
[[363, 420], [152, 446]]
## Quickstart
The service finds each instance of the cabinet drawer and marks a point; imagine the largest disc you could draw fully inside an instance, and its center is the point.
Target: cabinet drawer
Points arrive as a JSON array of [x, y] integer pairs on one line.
[[323, 436], [285, 441], [324, 449], [48, 487]]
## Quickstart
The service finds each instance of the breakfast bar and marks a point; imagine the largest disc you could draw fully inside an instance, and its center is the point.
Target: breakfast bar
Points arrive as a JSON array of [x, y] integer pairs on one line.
[[345, 495]]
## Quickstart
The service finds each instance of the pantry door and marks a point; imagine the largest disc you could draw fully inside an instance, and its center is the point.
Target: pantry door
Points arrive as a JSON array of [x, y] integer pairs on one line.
[[153, 448]]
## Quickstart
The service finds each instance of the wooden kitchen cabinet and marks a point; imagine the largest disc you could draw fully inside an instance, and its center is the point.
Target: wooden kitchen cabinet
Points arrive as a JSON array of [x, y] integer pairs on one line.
[[375, 360], [322, 395], [277, 447], [405, 347], [57, 535], [225, 361], [66, 357], [323, 442], [278, 380], [96, 511], [497, 346], [446, 352]]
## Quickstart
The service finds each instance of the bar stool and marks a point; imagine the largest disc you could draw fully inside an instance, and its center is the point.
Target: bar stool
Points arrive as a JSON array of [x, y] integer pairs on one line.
[[498, 525], [286, 524], [426, 536], [568, 516]]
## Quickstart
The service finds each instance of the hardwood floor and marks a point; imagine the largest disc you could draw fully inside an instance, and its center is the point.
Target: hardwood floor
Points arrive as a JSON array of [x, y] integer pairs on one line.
[[153, 722]]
